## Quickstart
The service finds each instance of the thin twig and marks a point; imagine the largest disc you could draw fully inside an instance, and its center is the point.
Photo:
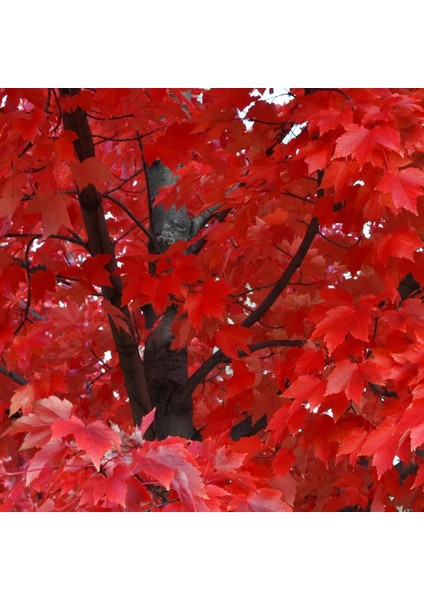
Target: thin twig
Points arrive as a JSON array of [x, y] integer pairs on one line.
[[125, 234], [219, 357], [13, 375], [73, 240], [26, 265], [115, 118], [338, 243], [284, 280], [124, 181], [303, 198], [130, 214]]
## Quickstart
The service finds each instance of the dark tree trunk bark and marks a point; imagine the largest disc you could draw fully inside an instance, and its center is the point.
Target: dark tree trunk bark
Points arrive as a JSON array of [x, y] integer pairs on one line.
[[166, 369]]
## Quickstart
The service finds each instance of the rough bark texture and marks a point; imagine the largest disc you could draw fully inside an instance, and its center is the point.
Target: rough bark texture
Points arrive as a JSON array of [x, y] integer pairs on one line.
[[166, 369]]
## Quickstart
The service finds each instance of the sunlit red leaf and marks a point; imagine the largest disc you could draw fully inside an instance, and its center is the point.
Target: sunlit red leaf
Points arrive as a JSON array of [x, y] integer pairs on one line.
[[263, 500], [359, 141], [210, 301], [404, 187], [95, 438], [233, 338], [346, 376]]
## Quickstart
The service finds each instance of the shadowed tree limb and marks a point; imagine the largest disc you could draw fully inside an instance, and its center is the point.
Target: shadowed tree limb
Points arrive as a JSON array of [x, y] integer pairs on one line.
[[130, 214], [257, 314], [284, 280], [13, 376], [219, 357], [100, 242]]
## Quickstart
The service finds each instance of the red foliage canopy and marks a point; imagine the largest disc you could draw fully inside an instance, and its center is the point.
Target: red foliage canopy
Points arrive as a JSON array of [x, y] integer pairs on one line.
[[297, 297]]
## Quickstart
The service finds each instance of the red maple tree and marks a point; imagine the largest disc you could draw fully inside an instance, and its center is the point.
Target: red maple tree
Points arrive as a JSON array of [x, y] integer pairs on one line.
[[210, 301]]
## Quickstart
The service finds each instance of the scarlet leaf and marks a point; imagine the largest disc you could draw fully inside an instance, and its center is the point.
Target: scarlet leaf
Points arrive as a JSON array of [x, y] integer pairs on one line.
[[342, 320], [346, 376], [11, 195], [112, 488], [41, 282], [402, 243], [233, 338], [306, 388], [263, 500], [23, 399], [173, 466], [91, 171], [382, 444], [278, 217], [139, 228], [94, 270], [242, 379], [210, 301], [228, 462], [95, 438], [54, 212], [419, 479], [49, 455], [359, 141], [283, 461], [38, 425], [404, 186], [146, 421]]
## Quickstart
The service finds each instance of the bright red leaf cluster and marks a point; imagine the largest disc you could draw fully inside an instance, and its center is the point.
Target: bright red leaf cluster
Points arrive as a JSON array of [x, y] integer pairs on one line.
[[302, 289]]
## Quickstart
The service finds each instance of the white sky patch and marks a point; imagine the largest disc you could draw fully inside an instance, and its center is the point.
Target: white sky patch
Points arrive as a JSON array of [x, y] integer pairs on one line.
[[278, 96], [366, 230]]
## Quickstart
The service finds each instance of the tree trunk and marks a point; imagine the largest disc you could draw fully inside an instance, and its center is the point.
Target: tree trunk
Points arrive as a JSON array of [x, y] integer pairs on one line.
[[166, 369]]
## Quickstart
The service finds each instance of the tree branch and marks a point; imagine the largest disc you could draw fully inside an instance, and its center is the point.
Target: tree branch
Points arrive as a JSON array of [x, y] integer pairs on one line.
[[130, 214], [124, 181], [13, 375], [257, 314], [201, 220], [284, 280], [246, 428], [100, 242], [65, 238], [219, 357]]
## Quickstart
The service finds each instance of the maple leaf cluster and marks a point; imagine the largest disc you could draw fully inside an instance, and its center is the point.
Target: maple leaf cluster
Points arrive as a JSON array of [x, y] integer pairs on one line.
[[297, 298]]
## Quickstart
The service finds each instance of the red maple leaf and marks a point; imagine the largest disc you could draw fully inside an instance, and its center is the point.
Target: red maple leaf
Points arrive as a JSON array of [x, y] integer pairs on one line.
[[343, 320], [401, 243], [94, 439], [54, 212], [263, 500], [210, 301], [359, 141], [346, 376], [233, 338], [404, 187], [173, 467], [306, 388], [111, 487]]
